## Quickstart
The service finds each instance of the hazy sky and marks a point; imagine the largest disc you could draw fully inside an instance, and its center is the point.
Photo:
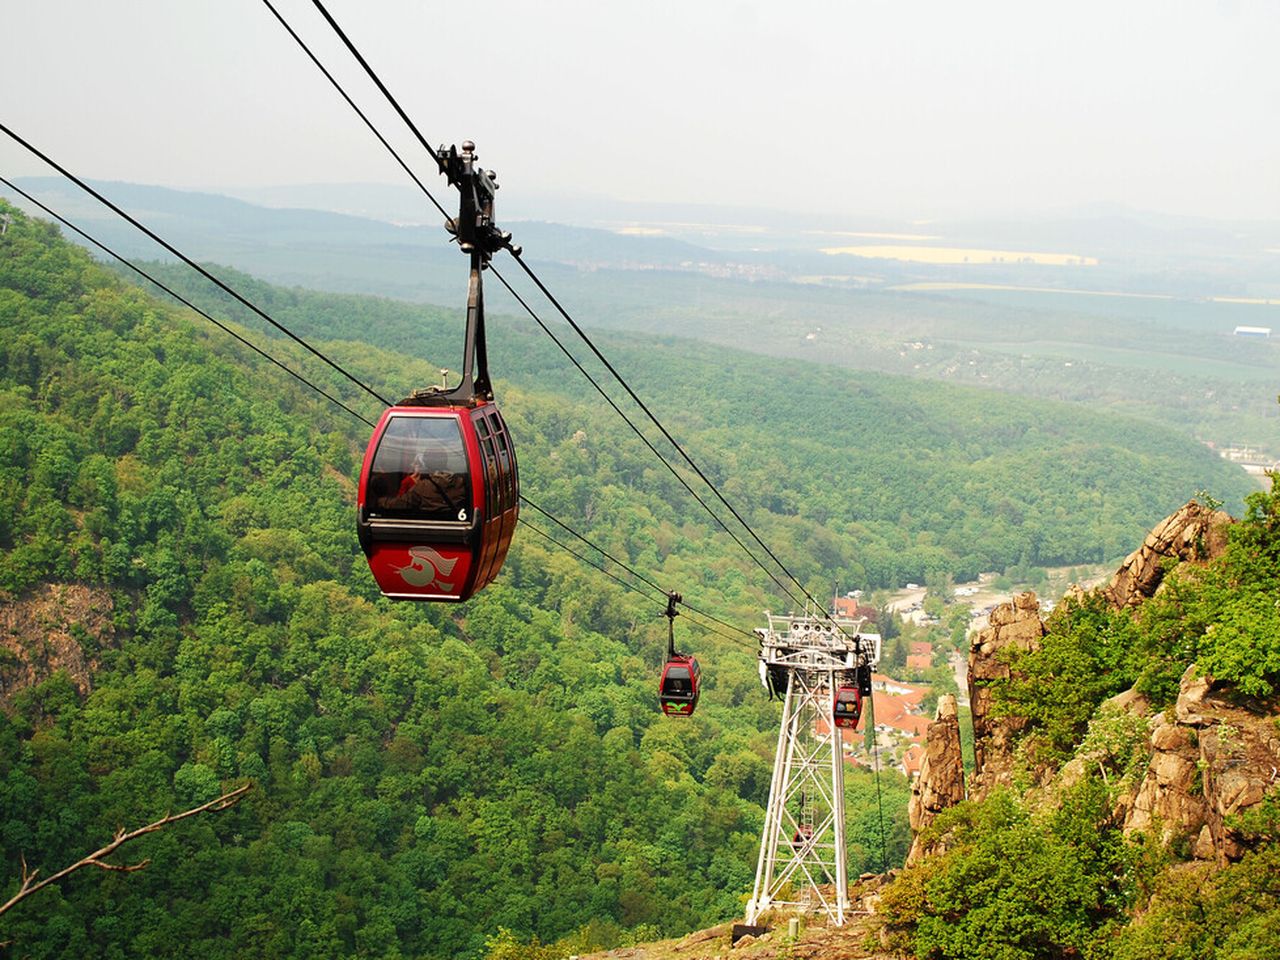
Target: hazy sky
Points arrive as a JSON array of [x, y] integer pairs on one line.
[[888, 107]]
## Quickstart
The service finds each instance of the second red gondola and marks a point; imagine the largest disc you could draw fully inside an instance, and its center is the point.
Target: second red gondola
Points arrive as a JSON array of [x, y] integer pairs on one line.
[[679, 688], [681, 682]]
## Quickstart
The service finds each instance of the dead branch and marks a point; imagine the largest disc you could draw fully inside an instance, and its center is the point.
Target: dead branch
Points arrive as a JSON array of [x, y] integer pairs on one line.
[[96, 859]]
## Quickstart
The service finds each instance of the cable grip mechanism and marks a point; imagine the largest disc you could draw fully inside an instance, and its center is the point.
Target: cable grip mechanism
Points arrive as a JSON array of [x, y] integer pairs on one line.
[[478, 237], [671, 614]]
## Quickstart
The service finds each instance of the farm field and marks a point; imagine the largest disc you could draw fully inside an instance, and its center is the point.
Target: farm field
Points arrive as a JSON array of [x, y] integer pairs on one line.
[[1150, 358], [957, 255]]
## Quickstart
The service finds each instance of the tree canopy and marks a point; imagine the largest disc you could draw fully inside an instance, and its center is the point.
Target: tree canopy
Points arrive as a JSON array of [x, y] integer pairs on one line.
[[429, 776]]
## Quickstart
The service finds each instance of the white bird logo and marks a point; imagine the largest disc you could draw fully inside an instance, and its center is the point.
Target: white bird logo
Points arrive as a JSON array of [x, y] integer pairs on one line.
[[426, 567]]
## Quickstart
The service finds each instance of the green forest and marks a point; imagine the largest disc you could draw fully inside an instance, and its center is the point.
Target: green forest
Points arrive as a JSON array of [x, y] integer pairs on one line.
[[423, 776], [886, 478]]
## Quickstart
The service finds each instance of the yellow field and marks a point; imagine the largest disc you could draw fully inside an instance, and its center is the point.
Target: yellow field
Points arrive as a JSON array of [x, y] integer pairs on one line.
[[948, 285], [874, 236], [1261, 301], [947, 255]]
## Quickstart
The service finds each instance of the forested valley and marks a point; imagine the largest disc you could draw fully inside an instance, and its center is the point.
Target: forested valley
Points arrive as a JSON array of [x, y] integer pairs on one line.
[[425, 776]]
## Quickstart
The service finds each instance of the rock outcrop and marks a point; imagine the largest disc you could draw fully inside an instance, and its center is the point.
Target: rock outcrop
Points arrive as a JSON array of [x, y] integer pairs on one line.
[[1193, 532], [42, 633], [1015, 625], [1214, 758], [941, 781]]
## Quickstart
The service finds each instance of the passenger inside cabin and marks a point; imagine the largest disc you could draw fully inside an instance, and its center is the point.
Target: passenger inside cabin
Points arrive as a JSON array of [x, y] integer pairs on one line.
[[678, 683], [424, 463]]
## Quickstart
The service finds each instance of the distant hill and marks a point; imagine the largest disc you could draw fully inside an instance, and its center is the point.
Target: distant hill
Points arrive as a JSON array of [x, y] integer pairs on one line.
[[973, 466], [1166, 353]]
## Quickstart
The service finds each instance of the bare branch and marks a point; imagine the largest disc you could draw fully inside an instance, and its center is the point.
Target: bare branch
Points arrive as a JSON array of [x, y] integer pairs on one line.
[[29, 886], [120, 867]]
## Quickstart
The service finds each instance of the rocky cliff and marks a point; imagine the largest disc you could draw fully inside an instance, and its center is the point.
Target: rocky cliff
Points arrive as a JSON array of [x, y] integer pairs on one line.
[[49, 631], [941, 781], [1213, 756], [1193, 532], [1015, 625]]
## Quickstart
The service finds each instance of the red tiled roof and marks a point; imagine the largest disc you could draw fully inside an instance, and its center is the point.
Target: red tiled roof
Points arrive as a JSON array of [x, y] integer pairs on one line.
[[919, 662], [849, 607], [911, 723], [913, 693]]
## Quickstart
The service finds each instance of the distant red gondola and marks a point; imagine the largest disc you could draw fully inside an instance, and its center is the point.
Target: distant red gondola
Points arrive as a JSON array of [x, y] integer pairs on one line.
[[847, 706], [678, 692], [802, 838]]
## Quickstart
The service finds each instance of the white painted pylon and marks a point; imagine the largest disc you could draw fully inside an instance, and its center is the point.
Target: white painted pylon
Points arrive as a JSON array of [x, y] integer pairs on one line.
[[803, 863]]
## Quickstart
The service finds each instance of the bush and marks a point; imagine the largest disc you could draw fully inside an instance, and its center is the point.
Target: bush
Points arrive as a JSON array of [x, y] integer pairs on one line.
[[1083, 659], [1013, 886]]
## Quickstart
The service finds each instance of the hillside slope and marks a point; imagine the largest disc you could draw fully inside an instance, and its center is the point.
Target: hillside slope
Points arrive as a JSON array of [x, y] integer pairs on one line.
[[423, 775], [185, 607], [891, 477]]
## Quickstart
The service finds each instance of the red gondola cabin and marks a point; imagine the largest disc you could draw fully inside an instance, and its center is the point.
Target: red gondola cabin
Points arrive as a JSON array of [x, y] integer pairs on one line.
[[680, 686], [438, 500], [847, 707], [802, 838]]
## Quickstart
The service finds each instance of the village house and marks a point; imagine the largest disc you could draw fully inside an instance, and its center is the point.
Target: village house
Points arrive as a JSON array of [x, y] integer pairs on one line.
[[919, 656], [852, 608]]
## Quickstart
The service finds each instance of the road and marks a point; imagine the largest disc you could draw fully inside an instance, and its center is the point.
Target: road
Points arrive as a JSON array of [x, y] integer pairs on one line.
[[960, 665]]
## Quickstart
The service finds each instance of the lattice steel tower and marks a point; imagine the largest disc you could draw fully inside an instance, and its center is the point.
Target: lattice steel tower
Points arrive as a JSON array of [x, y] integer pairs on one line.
[[802, 861]]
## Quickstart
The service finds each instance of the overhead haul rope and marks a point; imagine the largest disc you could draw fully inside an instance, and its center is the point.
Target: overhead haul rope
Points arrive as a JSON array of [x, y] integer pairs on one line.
[[181, 299], [373, 76], [189, 262], [633, 588], [636, 430], [177, 296], [657, 423], [515, 252], [639, 576]]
